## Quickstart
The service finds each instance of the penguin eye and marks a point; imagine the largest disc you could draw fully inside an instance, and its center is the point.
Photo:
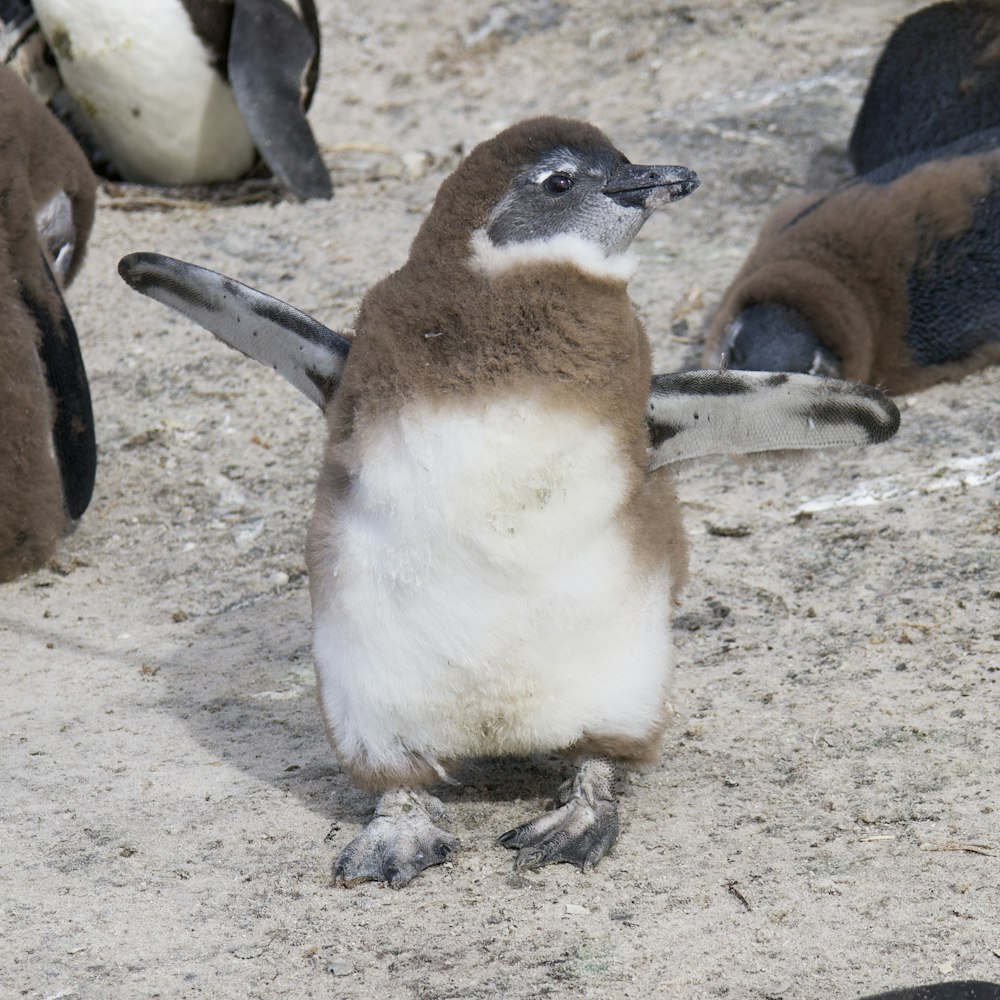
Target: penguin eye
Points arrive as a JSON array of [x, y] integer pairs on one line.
[[557, 183]]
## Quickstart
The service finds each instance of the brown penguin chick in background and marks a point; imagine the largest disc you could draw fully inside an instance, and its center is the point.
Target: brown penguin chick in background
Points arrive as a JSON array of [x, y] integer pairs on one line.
[[891, 279], [47, 448]]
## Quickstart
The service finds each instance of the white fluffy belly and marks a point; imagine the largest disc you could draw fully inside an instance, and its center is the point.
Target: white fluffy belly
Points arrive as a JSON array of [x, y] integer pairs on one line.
[[478, 593]]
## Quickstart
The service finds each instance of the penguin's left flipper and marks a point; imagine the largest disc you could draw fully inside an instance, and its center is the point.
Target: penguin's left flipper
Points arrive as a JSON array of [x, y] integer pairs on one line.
[[270, 56], [712, 412], [303, 350], [580, 830], [399, 843], [73, 435]]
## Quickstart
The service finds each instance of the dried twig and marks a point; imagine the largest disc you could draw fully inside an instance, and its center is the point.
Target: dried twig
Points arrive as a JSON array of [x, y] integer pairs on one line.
[[734, 888], [954, 845]]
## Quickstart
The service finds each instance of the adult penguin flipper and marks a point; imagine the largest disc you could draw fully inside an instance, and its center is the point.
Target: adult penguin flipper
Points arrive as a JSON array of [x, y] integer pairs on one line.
[[272, 67], [303, 350], [73, 434], [711, 412]]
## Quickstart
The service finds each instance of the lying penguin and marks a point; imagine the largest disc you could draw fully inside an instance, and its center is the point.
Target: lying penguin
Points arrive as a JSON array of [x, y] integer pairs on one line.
[[191, 91], [48, 455], [496, 540], [892, 278], [936, 80]]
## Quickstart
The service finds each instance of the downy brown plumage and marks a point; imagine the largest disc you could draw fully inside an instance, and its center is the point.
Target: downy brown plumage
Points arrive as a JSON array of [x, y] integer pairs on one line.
[[47, 451]]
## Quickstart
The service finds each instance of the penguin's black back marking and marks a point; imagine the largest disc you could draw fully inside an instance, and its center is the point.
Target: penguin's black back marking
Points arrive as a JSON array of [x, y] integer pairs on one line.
[[212, 23], [938, 78], [954, 292], [73, 427]]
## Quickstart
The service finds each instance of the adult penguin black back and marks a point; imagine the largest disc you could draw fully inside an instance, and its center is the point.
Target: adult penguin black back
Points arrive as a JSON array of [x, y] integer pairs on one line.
[[48, 453], [191, 91], [937, 79]]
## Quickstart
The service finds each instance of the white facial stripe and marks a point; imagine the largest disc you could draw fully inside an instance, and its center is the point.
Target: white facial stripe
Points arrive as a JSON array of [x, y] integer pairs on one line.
[[564, 248]]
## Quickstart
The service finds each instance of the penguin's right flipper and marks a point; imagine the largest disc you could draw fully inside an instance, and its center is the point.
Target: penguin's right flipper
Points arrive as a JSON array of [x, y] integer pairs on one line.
[[303, 350], [271, 58], [73, 435], [712, 412]]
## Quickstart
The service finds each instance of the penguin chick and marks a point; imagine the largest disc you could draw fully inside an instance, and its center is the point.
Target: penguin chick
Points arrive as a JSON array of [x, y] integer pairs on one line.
[[937, 79], [496, 539], [48, 453], [190, 91], [890, 279]]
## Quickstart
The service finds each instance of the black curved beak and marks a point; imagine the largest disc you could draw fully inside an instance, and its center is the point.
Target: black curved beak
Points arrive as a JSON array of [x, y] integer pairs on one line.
[[637, 186]]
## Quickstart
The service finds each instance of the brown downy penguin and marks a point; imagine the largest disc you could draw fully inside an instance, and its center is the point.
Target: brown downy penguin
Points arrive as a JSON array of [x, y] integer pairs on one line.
[[936, 80], [48, 454], [191, 91], [892, 278], [495, 542]]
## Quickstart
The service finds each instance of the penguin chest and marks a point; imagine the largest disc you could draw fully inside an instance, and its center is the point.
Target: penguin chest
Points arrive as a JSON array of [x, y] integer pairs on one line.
[[477, 591], [143, 83]]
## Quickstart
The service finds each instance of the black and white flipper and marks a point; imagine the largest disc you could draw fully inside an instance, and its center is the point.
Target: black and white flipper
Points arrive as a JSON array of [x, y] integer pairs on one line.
[[713, 412], [303, 350], [272, 56]]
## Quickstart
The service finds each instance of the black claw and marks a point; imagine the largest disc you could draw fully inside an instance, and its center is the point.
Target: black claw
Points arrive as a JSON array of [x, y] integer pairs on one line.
[[509, 839]]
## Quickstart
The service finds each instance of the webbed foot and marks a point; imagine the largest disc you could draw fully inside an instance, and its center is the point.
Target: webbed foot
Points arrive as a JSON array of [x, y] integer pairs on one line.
[[580, 831], [399, 843]]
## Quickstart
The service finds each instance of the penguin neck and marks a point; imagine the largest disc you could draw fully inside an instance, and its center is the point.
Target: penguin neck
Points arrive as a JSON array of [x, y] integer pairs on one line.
[[565, 248]]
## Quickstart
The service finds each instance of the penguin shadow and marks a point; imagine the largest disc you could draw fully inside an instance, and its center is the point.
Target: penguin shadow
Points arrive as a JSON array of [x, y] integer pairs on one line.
[[243, 684]]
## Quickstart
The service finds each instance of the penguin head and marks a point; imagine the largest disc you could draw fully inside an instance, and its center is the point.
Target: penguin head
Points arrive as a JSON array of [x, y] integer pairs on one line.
[[773, 337], [551, 177], [589, 191]]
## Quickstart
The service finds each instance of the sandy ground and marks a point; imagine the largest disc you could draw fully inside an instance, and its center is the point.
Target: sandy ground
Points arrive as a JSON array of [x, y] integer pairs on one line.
[[823, 822]]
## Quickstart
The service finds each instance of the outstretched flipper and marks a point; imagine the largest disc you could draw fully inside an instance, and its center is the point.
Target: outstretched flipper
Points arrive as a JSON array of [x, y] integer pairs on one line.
[[399, 843], [581, 830], [711, 412], [272, 55], [303, 350]]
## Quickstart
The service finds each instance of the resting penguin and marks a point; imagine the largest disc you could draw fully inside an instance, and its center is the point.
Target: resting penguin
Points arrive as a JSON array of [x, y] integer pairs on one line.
[[48, 454], [892, 278], [496, 539], [190, 91], [937, 79]]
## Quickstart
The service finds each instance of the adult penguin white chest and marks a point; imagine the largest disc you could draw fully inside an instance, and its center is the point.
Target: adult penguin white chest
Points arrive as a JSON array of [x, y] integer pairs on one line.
[[190, 91], [176, 120]]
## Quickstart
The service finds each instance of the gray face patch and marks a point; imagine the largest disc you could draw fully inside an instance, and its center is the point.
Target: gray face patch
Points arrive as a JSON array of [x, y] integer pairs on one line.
[[581, 192]]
